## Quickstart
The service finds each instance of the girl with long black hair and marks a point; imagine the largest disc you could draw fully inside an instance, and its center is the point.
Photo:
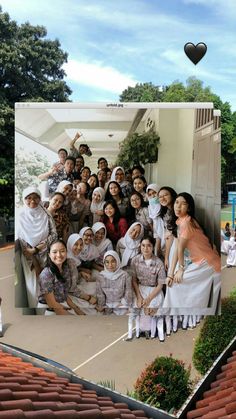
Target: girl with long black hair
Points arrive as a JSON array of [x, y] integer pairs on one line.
[[116, 225], [56, 280], [194, 275]]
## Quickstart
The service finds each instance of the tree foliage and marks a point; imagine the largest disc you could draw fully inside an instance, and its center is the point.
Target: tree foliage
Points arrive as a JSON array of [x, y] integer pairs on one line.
[[30, 70], [28, 167], [194, 91], [142, 92], [30, 64]]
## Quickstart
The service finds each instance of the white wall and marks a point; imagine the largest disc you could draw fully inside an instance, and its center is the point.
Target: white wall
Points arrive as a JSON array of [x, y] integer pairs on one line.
[[176, 131]]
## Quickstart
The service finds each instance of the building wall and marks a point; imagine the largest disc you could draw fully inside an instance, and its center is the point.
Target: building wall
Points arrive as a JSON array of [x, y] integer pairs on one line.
[[174, 166]]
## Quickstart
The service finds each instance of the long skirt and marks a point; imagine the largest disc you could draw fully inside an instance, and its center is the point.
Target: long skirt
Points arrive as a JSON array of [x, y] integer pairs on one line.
[[31, 283], [225, 246], [145, 291], [196, 294], [231, 258], [118, 307]]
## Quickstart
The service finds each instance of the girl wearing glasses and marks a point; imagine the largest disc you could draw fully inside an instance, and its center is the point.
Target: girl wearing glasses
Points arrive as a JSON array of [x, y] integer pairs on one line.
[[138, 211], [35, 230]]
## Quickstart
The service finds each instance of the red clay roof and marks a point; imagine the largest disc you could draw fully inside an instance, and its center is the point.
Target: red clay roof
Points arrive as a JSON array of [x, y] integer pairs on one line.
[[220, 401], [29, 392]]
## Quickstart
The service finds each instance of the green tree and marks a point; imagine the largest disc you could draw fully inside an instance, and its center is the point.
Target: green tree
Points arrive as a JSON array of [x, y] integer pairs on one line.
[[194, 91], [30, 70], [142, 92], [174, 93]]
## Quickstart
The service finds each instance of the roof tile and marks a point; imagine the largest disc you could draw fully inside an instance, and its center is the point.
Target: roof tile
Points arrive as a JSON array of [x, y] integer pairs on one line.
[[12, 414], [24, 404], [31, 392], [220, 401], [44, 414]]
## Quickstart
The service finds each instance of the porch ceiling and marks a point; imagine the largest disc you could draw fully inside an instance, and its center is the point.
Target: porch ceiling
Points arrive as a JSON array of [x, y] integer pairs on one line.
[[102, 129]]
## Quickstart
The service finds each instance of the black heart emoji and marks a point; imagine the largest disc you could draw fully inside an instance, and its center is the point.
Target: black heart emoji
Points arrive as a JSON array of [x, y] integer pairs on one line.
[[195, 52]]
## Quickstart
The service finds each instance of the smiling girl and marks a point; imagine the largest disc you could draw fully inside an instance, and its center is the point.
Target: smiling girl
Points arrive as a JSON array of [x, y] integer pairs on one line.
[[114, 192], [59, 215], [138, 211], [97, 204], [56, 279], [35, 231], [197, 273], [148, 277], [154, 213], [129, 245], [114, 291], [115, 224], [102, 243], [140, 185], [118, 174]]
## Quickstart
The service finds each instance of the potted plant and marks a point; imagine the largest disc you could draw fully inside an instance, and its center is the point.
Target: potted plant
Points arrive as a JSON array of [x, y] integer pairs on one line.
[[139, 148]]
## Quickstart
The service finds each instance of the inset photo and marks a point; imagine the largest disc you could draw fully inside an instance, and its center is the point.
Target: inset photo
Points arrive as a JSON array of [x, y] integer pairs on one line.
[[118, 212]]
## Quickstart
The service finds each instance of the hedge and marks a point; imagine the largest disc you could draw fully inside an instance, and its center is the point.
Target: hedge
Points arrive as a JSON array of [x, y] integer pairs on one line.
[[215, 335]]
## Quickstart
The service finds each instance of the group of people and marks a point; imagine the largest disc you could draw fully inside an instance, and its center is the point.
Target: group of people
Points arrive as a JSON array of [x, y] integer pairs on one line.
[[108, 243], [228, 245]]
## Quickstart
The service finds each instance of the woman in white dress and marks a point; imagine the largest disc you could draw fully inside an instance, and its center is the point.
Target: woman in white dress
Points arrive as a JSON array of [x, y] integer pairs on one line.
[[35, 231], [194, 276], [231, 257]]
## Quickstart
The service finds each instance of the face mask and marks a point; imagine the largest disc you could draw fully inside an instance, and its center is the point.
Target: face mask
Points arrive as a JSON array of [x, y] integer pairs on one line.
[[153, 201]]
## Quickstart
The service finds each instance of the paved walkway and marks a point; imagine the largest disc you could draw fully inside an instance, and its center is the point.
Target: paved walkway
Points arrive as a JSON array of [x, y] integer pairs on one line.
[[92, 346]]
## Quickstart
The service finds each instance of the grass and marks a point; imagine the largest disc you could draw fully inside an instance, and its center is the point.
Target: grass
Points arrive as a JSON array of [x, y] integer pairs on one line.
[[226, 215], [108, 384]]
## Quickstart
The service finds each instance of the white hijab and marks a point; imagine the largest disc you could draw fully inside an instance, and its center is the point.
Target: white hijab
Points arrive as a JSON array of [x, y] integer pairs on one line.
[[98, 206], [113, 176], [89, 252], [153, 209], [131, 245], [60, 188], [72, 239], [105, 242], [62, 184], [33, 225], [118, 272]]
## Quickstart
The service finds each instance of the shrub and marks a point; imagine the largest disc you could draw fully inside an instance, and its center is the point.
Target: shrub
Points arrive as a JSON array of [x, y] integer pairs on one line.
[[165, 383], [233, 293], [215, 335]]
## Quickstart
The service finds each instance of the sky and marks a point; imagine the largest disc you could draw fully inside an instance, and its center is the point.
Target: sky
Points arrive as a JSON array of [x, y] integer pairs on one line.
[[115, 44]]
